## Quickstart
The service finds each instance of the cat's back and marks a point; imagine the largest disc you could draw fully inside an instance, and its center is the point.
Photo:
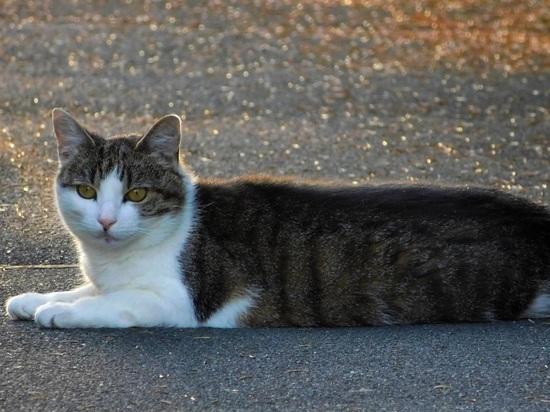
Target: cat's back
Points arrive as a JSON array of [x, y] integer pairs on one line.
[[334, 200]]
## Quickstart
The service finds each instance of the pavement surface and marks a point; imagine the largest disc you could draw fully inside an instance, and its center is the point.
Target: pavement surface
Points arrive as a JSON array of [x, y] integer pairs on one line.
[[448, 92]]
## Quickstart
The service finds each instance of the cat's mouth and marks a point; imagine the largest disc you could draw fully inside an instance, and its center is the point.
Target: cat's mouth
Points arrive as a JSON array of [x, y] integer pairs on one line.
[[108, 238]]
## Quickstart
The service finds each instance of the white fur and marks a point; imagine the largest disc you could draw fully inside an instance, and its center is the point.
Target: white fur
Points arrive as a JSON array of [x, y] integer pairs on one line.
[[228, 316], [82, 216], [539, 308], [133, 277], [24, 306]]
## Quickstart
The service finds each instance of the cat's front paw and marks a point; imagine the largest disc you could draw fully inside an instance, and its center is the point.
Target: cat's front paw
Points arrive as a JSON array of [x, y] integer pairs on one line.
[[23, 307], [56, 315]]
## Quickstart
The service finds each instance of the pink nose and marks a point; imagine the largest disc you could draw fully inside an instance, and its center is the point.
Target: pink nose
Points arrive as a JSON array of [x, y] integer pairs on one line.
[[106, 223]]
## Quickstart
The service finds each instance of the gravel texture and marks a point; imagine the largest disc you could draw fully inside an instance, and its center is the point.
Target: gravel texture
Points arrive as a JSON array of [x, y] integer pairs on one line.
[[447, 92]]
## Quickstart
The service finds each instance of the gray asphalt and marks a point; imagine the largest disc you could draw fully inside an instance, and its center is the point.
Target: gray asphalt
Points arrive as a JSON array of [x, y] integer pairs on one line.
[[332, 90]]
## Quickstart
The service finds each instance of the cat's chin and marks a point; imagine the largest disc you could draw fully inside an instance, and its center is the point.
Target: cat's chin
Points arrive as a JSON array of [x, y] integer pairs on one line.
[[104, 241]]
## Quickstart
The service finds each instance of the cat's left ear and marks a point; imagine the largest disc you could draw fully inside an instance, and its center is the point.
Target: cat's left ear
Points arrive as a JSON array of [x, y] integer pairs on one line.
[[71, 136], [164, 137]]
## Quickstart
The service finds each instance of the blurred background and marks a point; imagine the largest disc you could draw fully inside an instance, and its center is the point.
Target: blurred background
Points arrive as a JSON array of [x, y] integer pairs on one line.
[[448, 92]]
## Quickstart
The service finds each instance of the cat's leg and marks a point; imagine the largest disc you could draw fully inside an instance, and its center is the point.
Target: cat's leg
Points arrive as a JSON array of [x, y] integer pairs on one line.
[[120, 309], [539, 308], [23, 307]]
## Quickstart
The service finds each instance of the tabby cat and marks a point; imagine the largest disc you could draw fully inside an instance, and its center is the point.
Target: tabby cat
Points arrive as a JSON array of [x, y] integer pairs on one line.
[[159, 247]]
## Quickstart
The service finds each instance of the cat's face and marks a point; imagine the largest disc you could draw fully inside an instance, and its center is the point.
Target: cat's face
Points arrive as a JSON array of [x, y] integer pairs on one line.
[[119, 191]]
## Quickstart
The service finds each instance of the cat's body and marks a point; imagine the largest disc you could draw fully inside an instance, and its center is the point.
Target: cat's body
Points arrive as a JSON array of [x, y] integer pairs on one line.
[[160, 248], [321, 255]]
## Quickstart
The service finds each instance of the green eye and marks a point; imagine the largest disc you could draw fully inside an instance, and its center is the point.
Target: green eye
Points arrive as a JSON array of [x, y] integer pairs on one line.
[[137, 194], [86, 192]]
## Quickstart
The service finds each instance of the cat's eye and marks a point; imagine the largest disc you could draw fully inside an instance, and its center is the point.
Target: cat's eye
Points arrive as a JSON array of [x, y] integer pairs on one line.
[[137, 194], [86, 192]]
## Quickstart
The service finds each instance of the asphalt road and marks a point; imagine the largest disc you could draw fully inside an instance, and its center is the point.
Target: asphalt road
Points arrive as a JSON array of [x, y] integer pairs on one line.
[[425, 91]]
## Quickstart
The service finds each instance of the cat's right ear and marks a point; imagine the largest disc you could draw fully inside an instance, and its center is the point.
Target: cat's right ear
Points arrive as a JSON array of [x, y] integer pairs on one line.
[[164, 138], [71, 136]]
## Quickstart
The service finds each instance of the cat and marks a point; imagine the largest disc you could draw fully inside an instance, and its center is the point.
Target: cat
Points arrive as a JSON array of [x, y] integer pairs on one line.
[[160, 247]]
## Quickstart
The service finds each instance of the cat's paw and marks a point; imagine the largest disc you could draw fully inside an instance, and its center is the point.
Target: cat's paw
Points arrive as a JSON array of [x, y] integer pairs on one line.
[[23, 307], [56, 315]]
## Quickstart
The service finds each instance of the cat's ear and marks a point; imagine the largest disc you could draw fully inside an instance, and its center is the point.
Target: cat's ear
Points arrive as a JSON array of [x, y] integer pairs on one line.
[[71, 136], [164, 138]]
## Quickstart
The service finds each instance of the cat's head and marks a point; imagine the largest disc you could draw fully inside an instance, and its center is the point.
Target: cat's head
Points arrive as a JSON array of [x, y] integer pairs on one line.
[[123, 190]]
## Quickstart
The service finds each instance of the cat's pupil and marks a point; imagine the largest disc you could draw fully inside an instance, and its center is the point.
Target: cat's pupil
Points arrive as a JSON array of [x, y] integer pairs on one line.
[[137, 194], [86, 192]]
